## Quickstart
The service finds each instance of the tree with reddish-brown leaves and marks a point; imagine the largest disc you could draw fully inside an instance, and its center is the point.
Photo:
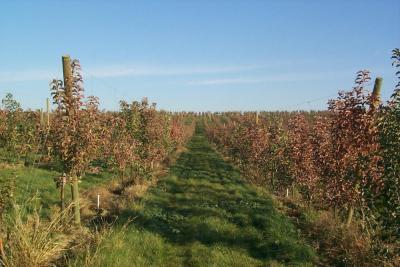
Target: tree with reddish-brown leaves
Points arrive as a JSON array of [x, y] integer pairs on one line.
[[355, 143], [76, 131], [322, 157], [119, 145], [154, 134], [273, 160], [19, 130], [302, 167]]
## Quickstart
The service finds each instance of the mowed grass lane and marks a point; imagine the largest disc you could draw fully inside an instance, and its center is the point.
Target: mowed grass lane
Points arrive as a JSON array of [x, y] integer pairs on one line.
[[204, 214]]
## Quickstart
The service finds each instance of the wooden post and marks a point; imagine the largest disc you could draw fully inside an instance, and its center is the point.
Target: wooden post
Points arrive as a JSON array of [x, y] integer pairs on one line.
[[41, 117], [68, 81], [256, 117], [68, 84], [75, 200], [47, 113], [376, 94], [63, 181], [2, 253]]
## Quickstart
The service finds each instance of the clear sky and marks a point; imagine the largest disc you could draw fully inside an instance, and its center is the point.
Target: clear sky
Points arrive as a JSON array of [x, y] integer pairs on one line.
[[199, 55]]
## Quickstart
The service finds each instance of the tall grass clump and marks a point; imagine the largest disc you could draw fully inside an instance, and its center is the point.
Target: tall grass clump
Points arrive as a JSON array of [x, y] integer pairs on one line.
[[34, 241]]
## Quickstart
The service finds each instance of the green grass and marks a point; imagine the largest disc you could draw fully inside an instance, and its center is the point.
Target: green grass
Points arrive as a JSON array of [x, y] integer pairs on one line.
[[204, 214], [31, 181]]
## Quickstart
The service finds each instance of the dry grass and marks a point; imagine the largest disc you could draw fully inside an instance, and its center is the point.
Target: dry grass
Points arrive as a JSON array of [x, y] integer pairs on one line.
[[336, 244], [30, 240], [10, 166], [342, 245], [33, 241], [136, 191], [108, 201], [87, 253], [115, 195]]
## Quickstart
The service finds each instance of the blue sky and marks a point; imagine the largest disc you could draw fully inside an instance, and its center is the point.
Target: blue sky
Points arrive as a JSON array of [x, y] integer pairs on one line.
[[199, 55]]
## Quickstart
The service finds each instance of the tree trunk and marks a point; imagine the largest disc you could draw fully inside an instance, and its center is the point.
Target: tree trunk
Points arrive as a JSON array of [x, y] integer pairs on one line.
[[75, 201], [363, 218], [132, 176], [2, 253], [349, 216], [309, 198], [26, 159], [122, 175], [62, 196], [335, 212], [272, 181]]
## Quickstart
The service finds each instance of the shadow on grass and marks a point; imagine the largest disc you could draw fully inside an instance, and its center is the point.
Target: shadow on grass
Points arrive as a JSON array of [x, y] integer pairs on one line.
[[205, 200]]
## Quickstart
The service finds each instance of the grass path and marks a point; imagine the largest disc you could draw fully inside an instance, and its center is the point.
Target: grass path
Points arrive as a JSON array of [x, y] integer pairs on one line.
[[204, 214]]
